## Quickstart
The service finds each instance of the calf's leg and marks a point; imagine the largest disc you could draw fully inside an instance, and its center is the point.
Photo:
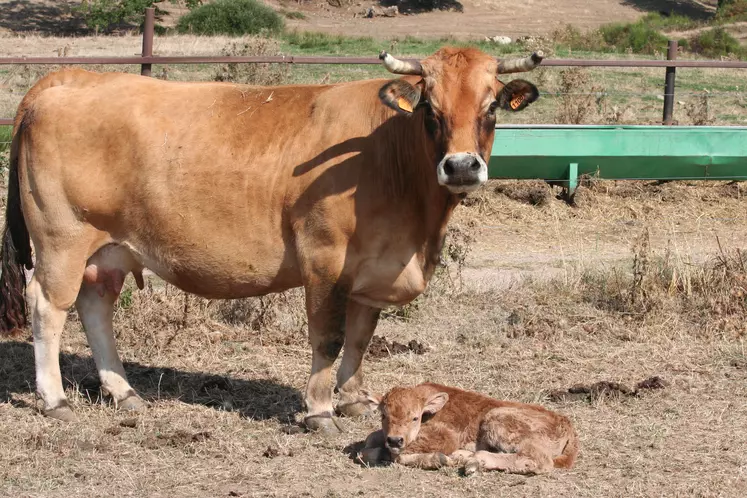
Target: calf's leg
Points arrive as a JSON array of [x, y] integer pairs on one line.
[[530, 460], [429, 450], [519, 450], [426, 461]]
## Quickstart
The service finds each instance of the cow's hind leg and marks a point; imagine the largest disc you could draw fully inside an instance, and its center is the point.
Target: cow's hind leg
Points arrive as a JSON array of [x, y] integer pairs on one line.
[[360, 324], [50, 294], [102, 283]]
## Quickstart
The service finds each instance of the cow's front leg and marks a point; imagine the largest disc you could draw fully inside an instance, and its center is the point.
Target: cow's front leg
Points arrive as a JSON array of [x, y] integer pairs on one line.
[[360, 324], [325, 306]]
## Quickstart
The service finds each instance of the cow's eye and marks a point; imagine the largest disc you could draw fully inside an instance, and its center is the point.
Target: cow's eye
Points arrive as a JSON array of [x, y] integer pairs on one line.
[[493, 107], [415, 419], [432, 122]]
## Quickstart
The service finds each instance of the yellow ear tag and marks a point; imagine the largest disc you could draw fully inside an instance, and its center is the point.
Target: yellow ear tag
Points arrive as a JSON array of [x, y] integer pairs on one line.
[[404, 104], [517, 101]]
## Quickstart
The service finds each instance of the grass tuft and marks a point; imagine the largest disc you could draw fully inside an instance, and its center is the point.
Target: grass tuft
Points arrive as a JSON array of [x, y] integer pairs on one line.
[[231, 17]]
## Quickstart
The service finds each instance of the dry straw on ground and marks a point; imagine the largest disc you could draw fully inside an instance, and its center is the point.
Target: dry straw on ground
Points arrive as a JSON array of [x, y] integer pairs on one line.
[[630, 286]]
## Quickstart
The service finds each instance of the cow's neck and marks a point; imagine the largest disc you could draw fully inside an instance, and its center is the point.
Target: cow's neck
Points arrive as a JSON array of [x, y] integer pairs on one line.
[[408, 181]]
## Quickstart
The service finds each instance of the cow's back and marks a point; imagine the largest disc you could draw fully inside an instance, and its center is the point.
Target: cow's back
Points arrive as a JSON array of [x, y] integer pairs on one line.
[[197, 179]]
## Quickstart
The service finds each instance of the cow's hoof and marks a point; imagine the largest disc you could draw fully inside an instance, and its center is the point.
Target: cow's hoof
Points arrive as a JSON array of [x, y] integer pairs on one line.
[[323, 423], [132, 403], [353, 409], [62, 412]]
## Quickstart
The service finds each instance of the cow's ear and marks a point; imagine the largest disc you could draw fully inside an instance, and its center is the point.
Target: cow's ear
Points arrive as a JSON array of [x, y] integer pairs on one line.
[[435, 403], [517, 94], [400, 96]]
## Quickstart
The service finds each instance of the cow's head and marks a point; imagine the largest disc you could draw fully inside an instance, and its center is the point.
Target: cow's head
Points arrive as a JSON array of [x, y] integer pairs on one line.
[[459, 94], [402, 412]]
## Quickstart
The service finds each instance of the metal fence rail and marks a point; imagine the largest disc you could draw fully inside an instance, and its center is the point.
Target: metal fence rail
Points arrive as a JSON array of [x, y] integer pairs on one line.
[[309, 59], [147, 59]]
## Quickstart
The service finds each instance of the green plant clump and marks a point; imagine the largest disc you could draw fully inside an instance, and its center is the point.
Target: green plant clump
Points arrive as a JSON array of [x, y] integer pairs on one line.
[[639, 37], [233, 18], [101, 15], [731, 10], [715, 43]]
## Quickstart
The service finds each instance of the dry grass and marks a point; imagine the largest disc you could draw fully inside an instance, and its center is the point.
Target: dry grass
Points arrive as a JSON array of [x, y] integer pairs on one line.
[[225, 378], [113, 46], [610, 95], [253, 74]]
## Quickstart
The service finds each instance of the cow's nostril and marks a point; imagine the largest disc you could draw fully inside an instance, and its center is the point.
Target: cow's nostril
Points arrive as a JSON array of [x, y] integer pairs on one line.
[[475, 165], [449, 168], [395, 442]]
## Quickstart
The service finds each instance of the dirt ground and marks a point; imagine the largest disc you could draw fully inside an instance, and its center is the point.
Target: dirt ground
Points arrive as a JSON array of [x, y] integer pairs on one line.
[[479, 18], [540, 296], [225, 381], [467, 19]]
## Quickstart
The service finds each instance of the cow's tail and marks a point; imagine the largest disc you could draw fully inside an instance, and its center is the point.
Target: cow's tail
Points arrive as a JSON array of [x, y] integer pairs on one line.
[[16, 250], [568, 456]]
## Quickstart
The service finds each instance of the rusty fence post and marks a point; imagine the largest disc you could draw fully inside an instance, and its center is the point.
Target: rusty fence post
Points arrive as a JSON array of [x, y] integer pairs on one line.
[[148, 29], [669, 84]]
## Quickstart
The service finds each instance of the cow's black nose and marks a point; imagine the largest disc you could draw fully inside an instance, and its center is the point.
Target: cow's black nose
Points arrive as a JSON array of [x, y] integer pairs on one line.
[[395, 442], [461, 166], [462, 172]]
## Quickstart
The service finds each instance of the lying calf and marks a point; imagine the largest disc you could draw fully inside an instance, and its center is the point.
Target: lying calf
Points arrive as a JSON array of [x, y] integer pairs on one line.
[[431, 426]]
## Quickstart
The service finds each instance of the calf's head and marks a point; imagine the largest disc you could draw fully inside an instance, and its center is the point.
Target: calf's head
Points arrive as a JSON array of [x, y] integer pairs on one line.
[[459, 94], [403, 410]]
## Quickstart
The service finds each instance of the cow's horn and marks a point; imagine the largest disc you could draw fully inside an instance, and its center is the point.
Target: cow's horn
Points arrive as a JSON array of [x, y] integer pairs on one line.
[[397, 66], [521, 65]]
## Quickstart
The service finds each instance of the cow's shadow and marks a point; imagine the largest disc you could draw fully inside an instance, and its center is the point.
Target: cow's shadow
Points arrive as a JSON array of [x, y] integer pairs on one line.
[[259, 399]]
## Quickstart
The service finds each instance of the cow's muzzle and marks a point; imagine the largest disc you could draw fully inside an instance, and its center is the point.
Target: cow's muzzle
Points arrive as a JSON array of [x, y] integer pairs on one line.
[[462, 172]]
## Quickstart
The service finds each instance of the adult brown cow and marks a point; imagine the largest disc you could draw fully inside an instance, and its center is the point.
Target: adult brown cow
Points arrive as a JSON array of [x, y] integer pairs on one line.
[[229, 191]]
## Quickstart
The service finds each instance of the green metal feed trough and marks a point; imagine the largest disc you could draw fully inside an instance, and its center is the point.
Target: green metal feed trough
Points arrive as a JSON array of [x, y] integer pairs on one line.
[[563, 152]]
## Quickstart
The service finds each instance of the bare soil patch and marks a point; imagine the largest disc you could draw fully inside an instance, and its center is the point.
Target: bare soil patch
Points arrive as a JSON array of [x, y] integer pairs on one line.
[[605, 388], [540, 295], [467, 19], [478, 18], [224, 393], [381, 348]]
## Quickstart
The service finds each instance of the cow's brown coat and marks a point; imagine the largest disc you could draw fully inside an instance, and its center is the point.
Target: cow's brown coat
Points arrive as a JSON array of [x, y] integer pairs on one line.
[[229, 191]]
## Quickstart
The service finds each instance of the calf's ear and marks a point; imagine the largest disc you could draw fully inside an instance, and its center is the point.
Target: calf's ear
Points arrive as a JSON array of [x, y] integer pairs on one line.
[[400, 96], [435, 403]]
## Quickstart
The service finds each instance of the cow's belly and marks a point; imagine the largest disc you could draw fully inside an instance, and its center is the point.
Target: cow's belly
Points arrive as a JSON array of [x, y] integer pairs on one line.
[[382, 282], [217, 232], [220, 271]]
